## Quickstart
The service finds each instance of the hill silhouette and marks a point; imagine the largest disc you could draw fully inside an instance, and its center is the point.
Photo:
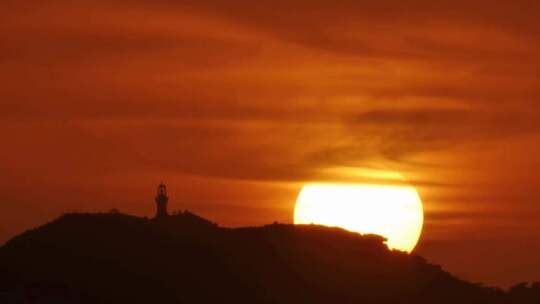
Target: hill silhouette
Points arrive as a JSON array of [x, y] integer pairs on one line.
[[116, 258]]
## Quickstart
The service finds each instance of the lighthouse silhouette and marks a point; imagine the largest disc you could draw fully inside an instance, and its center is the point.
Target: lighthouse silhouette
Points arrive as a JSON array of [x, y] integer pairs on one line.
[[161, 201]]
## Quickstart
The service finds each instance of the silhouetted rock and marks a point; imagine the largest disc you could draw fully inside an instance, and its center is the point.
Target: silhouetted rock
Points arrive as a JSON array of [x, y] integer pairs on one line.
[[183, 258]]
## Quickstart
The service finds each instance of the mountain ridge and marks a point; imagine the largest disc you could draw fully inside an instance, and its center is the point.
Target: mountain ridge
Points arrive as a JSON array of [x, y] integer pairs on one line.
[[113, 257]]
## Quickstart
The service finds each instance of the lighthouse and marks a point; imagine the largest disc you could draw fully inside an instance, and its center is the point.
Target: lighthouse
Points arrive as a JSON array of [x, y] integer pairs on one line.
[[161, 201]]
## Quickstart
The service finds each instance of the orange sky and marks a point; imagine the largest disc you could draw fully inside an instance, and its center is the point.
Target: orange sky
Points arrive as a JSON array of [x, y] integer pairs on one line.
[[235, 104]]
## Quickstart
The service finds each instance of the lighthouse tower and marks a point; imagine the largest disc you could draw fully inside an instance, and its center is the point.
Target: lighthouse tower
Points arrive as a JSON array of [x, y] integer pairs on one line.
[[161, 201]]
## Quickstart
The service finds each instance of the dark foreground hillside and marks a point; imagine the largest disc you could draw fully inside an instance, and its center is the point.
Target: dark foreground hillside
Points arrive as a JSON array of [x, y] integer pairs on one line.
[[115, 258]]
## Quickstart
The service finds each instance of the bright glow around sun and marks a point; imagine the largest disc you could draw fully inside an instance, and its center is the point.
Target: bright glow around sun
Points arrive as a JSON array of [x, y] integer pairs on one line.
[[394, 212]]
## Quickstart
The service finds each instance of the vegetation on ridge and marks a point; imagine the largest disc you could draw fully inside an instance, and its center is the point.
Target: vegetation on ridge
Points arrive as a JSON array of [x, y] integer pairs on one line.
[[106, 258]]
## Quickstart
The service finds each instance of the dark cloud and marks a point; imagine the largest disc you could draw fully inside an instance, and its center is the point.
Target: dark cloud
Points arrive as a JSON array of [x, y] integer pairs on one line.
[[50, 48], [417, 130]]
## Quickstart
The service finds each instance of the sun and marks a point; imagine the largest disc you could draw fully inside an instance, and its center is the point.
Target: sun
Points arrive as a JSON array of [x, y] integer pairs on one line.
[[394, 212]]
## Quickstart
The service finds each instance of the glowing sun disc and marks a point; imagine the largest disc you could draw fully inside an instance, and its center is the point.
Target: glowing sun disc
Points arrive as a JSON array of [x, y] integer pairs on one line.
[[394, 212]]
